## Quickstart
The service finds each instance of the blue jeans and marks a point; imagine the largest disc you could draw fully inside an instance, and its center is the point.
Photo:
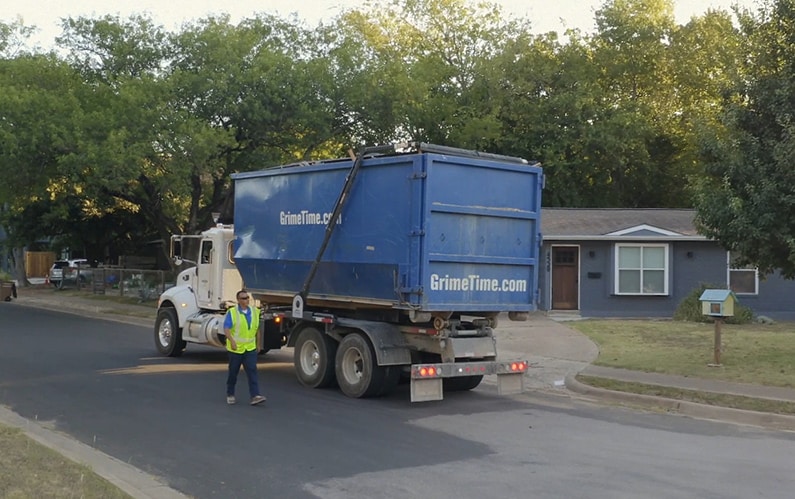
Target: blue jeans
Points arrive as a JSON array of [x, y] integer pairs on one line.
[[249, 362]]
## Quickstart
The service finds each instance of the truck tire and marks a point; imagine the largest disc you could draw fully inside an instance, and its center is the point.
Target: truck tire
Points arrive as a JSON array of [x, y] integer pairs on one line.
[[313, 357], [358, 373], [461, 383], [168, 336]]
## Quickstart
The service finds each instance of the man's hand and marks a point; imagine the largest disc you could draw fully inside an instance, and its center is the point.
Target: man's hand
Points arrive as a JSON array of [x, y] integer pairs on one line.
[[232, 343]]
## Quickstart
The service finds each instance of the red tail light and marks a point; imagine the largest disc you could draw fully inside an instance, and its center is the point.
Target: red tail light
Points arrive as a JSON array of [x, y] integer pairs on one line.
[[427, 372]]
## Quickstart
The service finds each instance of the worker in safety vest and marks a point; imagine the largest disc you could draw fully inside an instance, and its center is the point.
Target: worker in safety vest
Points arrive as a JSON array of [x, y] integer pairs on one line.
[[240, 327]]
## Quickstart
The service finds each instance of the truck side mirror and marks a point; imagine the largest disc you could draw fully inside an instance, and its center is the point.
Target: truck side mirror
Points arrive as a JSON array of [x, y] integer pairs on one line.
[[176, 247]]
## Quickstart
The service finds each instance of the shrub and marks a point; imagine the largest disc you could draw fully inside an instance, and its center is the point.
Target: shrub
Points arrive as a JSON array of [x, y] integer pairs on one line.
[[689, 309]]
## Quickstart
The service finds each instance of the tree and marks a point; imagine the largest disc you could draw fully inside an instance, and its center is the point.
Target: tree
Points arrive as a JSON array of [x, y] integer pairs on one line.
[[597, 110], [746, 201], [37, 123], [167, 118], [422, 70], [549, 106], [708, 57], [639, 152]]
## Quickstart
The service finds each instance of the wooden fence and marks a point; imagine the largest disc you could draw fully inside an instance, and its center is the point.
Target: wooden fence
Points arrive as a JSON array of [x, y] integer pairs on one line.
[[38, 263]]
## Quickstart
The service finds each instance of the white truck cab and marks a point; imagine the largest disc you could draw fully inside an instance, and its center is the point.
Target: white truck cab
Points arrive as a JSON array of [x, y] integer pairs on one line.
[[192, 311]]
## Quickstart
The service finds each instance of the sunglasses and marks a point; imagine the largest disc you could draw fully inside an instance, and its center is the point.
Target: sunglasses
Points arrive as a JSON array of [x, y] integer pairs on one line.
[[242, 297]]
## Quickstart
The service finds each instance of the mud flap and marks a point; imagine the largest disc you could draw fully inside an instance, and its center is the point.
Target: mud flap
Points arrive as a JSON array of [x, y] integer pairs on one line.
[[510, 383], [426, 390]]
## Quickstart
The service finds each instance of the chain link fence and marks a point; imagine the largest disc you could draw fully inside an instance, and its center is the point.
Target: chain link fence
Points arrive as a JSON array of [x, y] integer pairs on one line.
[[144, 285]]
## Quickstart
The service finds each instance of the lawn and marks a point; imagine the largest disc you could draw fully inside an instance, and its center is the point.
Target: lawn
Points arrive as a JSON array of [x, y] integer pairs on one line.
[[751, 353], [28, 469]]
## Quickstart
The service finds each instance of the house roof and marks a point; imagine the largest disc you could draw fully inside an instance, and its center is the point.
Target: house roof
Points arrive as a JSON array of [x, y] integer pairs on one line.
[[618, 223], [716, 295]]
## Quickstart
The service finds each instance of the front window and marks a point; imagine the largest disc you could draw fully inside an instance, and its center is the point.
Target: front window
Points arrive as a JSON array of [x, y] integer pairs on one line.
[[742, 280], [641, 269]]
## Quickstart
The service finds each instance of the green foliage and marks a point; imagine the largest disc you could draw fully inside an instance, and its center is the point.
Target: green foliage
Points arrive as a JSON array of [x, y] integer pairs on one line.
[[423, 70], [690, 308], [752, 353], [748, 186], [13, 38]]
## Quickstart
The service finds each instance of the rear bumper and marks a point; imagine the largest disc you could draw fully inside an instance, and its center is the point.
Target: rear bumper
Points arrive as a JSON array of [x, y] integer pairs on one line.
[[427, 379]]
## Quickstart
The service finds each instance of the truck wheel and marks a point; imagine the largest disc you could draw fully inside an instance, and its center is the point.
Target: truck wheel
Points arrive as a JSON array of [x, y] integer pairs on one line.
[[313, 358], [461, 383], [358, 373], [168, 337]]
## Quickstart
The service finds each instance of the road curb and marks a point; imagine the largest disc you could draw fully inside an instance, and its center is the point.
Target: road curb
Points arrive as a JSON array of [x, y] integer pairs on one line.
[[686, 408], [126, 477], [87, 311]]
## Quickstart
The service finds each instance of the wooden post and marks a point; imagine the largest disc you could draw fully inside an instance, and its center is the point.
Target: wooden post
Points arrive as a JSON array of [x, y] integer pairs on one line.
[[718, 322]]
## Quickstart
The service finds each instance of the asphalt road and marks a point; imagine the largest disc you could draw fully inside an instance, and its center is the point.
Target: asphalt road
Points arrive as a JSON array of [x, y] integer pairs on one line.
[[103, 383]]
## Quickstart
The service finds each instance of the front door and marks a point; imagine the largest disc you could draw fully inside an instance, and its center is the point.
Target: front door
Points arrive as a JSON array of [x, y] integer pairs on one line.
[[565, 269]]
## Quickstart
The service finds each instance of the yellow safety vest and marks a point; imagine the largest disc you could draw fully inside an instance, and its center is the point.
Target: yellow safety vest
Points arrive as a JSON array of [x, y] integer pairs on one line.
[[245, 336]]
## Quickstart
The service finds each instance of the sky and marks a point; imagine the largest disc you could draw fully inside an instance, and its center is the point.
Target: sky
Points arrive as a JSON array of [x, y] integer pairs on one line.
[[545, 15]]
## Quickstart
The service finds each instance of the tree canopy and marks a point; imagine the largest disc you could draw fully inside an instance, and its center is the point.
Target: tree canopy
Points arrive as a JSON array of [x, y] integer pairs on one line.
[[746, 199]]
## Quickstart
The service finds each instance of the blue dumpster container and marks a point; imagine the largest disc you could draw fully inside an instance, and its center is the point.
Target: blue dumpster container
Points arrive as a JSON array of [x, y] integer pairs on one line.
[[424, 231]]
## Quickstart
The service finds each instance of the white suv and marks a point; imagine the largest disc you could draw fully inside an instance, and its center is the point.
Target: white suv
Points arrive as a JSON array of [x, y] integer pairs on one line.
[[67, 269]]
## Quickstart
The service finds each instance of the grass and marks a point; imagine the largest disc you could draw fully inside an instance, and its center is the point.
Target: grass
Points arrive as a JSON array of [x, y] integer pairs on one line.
[[752, 353], [111, 296], [717, 399], [28, 469], [762, 354]]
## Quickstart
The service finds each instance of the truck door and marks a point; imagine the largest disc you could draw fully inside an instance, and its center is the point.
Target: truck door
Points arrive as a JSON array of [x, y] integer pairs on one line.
[[205, 274]]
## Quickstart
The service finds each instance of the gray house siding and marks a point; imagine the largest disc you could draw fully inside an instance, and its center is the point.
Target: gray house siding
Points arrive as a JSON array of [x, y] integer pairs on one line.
[[597, 279], [692, 261], [776, 298]]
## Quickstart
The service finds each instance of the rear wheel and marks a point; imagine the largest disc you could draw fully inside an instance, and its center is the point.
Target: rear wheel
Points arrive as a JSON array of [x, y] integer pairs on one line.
[[168, 337], [358, 372], [313, 358], [461, 383]]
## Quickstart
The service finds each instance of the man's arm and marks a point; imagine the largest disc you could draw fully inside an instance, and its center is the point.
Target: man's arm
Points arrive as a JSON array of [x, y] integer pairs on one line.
[[228, 324]]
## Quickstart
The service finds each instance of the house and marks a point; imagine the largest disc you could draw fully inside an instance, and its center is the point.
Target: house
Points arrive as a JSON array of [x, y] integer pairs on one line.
[[642, 263]]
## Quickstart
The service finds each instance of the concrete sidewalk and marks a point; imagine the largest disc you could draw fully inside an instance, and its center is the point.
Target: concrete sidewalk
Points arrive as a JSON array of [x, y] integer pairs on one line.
[[559, 353], [552, 344]]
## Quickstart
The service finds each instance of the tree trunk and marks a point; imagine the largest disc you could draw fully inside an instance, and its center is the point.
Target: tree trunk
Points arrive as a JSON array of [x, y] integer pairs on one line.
[[18, 255]]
